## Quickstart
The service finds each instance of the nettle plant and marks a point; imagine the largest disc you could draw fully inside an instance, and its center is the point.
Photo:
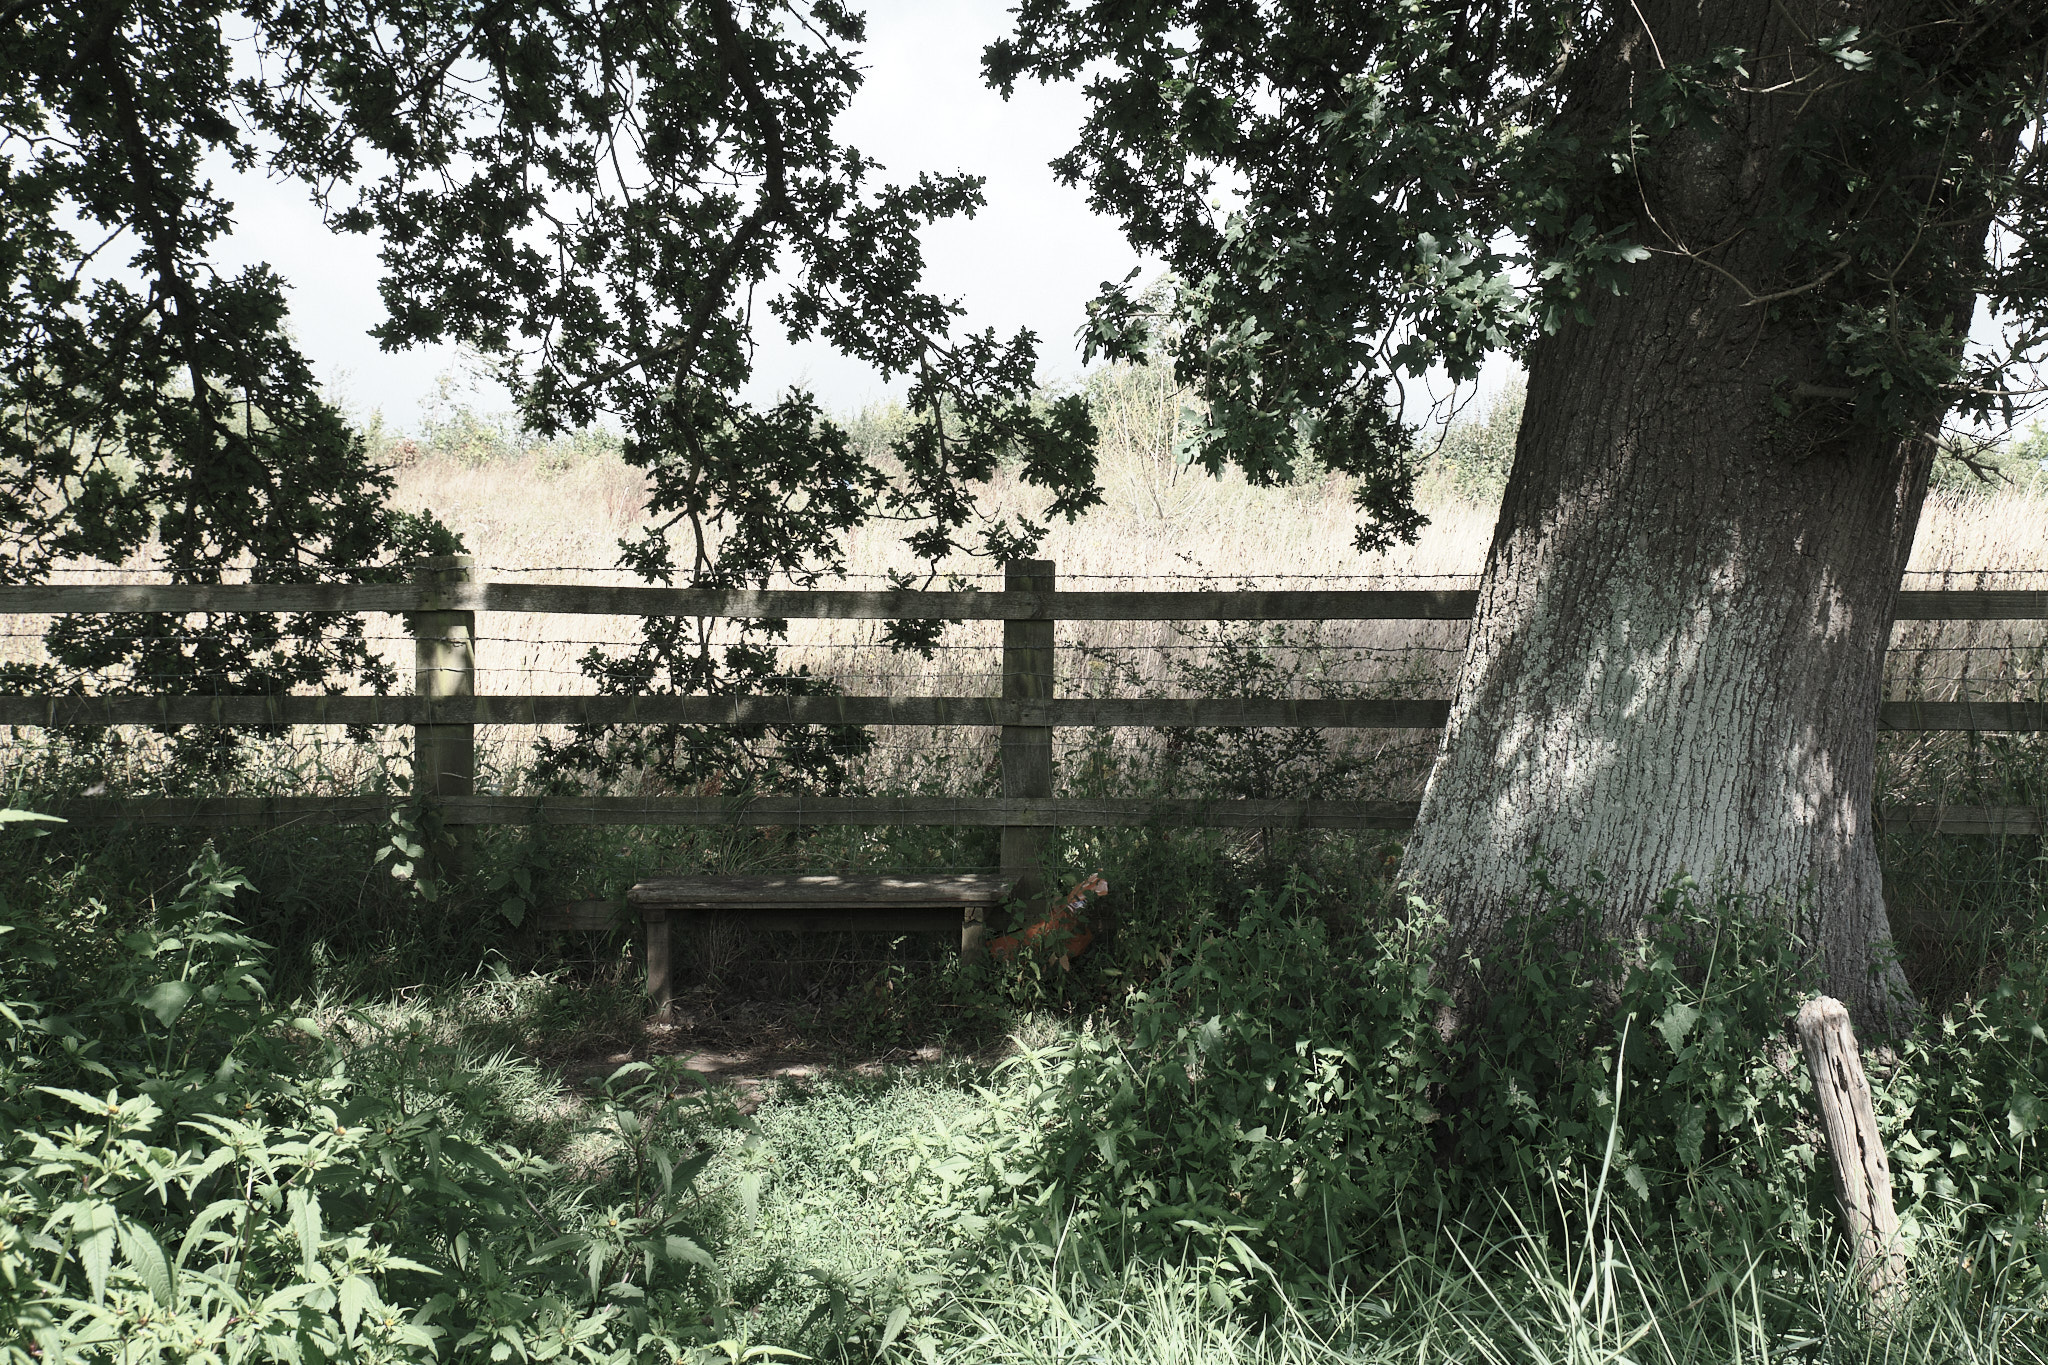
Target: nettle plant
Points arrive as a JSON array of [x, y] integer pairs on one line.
[[1287, 1108], [186, 1171]]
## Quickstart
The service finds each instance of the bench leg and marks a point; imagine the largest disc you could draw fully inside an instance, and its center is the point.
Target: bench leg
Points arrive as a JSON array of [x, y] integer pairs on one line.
[[973, 934], [654, 933]]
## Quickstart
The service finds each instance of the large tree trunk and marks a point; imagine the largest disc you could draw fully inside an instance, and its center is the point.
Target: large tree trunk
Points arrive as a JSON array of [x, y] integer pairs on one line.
[[1677, 658], [1676, 661]]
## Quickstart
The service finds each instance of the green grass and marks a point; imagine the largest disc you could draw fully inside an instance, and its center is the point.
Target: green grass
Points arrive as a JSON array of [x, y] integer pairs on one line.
[[828, 1210], [828, 1250], [839, 1217]]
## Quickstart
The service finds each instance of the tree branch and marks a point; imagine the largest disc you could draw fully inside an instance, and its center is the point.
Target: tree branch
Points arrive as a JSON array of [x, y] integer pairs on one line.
[[772, 206]]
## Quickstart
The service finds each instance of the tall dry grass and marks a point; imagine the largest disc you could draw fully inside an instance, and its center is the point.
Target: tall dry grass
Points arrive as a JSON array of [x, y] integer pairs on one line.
[[1162, 526], [558, 512]]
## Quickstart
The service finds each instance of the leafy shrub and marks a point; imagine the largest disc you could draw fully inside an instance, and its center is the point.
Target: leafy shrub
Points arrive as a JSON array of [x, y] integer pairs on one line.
[[1472, 459], [1293, 1098], [186, 1171], [1260, 660], [1962, 1111], [1275, 1087], [1687, 1030], [1983, 464]]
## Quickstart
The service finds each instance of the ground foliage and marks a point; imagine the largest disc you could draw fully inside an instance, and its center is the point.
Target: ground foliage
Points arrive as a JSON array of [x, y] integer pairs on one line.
[[1281, 1104], [1262, 1095], [190, 1171]]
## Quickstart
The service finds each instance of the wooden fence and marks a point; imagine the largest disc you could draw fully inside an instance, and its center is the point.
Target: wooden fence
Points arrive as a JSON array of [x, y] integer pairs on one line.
[[444, 709]]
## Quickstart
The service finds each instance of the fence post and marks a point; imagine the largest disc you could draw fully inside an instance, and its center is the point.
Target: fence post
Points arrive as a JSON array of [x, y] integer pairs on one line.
[[444, 667], [1863, 1178], [1026, 749]]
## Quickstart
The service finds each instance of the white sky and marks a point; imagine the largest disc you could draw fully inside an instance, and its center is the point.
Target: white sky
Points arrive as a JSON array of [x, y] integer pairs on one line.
[[1030, 259]]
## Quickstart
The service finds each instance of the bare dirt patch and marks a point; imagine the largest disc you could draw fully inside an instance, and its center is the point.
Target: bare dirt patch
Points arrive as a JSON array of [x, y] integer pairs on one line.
[[747, 1046]]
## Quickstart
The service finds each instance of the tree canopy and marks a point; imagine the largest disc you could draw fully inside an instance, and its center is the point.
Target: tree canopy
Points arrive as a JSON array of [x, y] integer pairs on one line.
[[606, 199], [1356, 194]]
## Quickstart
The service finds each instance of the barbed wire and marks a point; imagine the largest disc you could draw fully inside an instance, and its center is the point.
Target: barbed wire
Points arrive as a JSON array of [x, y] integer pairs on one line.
[[160, 577]]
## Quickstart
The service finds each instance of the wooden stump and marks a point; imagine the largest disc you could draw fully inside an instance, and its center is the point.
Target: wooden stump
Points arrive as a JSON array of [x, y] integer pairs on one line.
[[1863, 1178], [654, 937]]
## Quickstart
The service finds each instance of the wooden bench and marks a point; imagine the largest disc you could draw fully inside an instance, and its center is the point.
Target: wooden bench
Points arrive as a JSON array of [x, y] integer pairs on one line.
[[947, 903]]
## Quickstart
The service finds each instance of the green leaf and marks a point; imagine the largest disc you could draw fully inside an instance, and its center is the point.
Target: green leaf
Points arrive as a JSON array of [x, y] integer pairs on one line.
[[8, 817], [1676, 1023], [894, 1327], [2023, 1115], [305, 1225], [683, 1249], [1691, 1134], [93, 1233], [1247, 1258], [167, 1001], [92, 1104], [148, 1262], [358, 1296], [232, 1209]]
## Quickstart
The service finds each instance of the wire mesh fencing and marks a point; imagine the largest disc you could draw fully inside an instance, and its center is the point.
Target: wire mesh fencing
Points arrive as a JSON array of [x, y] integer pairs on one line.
[[543, 654]]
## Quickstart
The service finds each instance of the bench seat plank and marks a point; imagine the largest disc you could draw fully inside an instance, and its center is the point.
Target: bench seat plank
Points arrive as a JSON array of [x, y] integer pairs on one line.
[[821, 893], [951, 902], [931, 919]]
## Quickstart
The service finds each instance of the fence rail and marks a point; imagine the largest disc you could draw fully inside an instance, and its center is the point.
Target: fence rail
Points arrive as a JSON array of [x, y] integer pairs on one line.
[[447, 593], [824, 604], [278, 812], [1356, 713], [1032, 813]]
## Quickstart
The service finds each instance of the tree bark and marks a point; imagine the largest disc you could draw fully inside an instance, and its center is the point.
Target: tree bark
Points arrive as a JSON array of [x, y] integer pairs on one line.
[[1676, 662]]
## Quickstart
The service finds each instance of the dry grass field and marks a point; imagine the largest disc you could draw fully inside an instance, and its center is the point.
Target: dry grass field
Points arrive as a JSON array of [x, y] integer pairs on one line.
[[556, 513], [529, 519], [1161, 527]]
